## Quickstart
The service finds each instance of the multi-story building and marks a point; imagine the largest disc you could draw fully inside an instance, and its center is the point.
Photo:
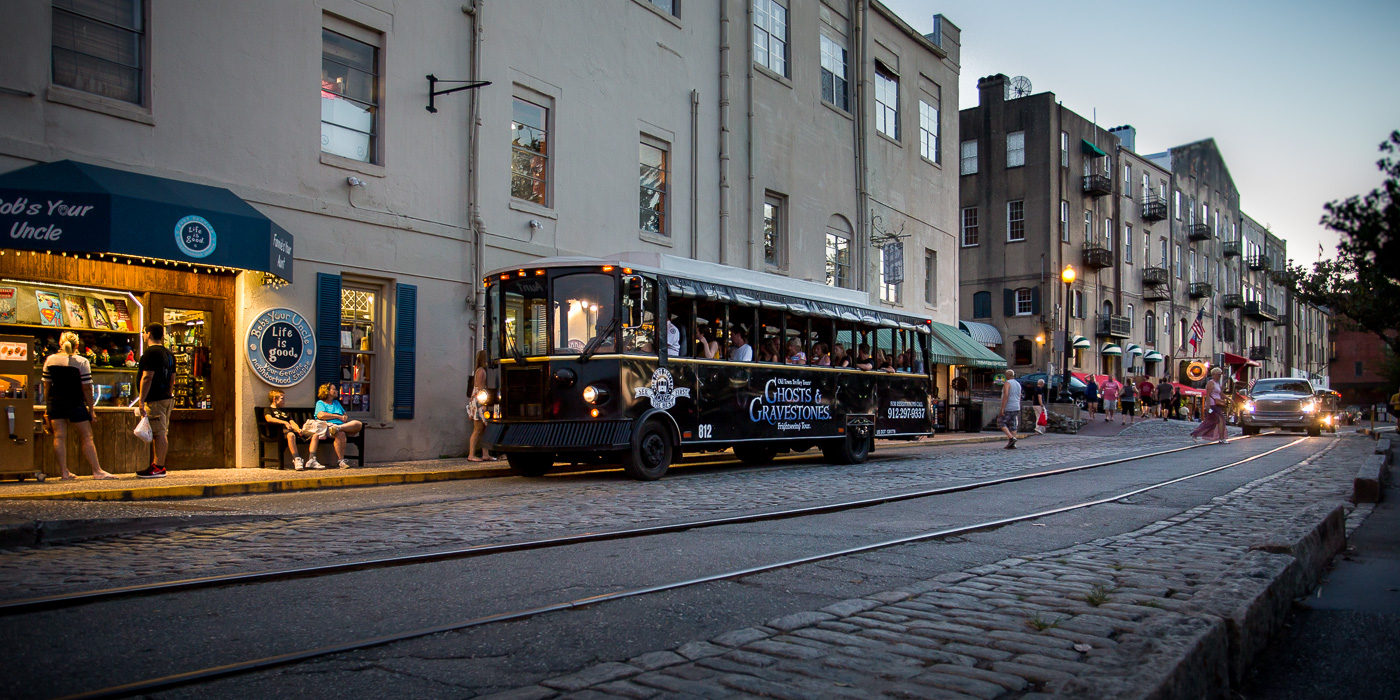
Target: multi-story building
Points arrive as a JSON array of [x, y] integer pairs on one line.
[[1356, 364], [783, 137], [1307, 342], [1042, 188]]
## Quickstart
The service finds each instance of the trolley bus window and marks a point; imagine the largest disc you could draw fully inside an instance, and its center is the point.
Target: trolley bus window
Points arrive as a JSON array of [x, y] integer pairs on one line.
[[493, 314], [523, 329], [638, 314], [773, 346], [583, 308]]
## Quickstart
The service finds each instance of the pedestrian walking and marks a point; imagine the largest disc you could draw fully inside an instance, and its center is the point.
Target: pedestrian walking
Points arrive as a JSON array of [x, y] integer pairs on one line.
[[1147, 397], [1176, 403], [1395, 407], [1009, 415], [157, 374], [1091, 396], [1039, 399], [69, 403], [1165, 391], [1212, 427], [1128, 401], [1111, 389], [476, 412]]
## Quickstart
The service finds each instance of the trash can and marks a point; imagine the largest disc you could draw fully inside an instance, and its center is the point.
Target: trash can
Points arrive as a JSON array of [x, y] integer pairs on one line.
[[974, 417]]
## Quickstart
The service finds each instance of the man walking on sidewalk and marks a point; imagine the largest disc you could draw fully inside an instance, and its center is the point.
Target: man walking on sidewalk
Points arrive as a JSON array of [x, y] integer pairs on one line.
[[1038, 398], [155, 400], [1009, 415]]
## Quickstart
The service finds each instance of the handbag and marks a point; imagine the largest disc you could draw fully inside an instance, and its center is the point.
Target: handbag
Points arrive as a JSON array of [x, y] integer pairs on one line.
[[314, 428]]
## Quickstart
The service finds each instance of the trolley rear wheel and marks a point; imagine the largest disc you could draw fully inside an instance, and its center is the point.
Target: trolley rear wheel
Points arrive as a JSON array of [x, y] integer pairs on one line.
[[651, 453], [754, 455], [530, 463], [854, 449]]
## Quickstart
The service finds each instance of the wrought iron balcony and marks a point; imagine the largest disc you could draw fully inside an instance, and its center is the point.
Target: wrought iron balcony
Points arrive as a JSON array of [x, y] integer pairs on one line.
[[1259, 352], [1279, 276], [1260, 262], [1232, 301], [1231, 249], [1156, 275], [1097, 257], [1260, 310], [1154, 208], [1227, 330], [1198, 232], [1115, 326], [1156, 293], [1200, 290], [1097, 185]]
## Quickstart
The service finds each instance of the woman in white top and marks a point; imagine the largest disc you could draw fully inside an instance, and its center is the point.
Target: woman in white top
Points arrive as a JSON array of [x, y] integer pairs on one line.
[[69, 401]]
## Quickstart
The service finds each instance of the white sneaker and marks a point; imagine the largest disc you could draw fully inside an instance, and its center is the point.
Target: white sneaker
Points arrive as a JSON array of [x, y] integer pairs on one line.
[[313, 464], [344, 464], [297, 464]]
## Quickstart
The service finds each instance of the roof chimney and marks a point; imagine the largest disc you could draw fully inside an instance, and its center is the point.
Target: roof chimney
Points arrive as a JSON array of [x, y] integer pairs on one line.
[[1127, 135], [991, 88]]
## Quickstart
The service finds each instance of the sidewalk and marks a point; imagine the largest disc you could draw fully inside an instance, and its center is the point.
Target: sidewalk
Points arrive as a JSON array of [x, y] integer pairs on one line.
[[207, 483]]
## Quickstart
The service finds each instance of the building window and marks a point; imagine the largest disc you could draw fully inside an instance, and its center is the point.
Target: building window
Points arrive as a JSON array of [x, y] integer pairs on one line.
[[529, 152], [1358, 368], [838, 259], [967, 164], [774, 232], [655, 168], [1176, 204], [1015, 149], [1191, 211], [1146, 186], [886, 102], [359, 346], [892, 292], [834, 73], [1177, 261], [1127, 180], [1128, 243], [1077, 304], [1163, 262], [1088, 226], [99, 47], [928, 131], [982, 305], [1023, 302], [349, 97], [1064, 149], [1016, 220], [970, 235], [1064, 220], [670, 7], [1021, 351], [1131, 318], [1149, 327], [1108, 233], [770, 35], [930, 276]]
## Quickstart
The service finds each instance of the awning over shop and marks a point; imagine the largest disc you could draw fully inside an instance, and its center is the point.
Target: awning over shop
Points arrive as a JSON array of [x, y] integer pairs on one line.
[[72, 207], [1110, 349], [966, 352], [1080, 342], [1188, 391], [1153, 356], [1134, 349], [1090, 149], [983, 333], [1233, 359]]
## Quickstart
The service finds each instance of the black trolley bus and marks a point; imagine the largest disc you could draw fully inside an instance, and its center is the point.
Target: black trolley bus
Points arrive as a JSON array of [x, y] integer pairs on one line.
[[638, 357]]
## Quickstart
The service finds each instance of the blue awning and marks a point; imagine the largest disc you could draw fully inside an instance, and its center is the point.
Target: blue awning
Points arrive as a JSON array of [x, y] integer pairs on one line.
[[72, 207]]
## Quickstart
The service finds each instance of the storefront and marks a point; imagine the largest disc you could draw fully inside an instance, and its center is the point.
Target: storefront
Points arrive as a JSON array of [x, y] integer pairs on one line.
[[105, 252]]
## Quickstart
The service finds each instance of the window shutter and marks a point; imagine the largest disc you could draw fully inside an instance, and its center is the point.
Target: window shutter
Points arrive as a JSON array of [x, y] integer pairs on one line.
[[1008, 302], [405, 349], [327, 329], [1035, 301]]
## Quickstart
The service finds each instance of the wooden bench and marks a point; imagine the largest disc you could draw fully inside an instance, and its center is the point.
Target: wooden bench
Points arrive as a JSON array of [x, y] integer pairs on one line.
[[271, 434]]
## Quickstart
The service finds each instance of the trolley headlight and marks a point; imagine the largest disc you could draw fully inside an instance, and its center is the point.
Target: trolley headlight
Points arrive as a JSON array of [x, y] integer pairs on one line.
[[483, 397], [595, 394]]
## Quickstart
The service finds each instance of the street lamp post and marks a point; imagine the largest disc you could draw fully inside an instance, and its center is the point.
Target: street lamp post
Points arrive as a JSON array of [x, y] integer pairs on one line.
[[1068, 276]]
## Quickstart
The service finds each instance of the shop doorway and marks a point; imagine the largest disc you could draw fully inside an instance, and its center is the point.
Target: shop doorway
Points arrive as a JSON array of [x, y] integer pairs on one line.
[[198, 335]]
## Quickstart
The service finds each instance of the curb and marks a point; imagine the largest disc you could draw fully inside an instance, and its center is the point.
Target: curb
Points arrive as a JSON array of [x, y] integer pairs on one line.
[[1371, 477]]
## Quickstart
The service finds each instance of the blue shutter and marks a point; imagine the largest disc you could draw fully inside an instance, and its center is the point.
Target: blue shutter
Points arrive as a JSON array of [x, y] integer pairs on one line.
[[1035, 301], [405, 349], [327, 329], [1008, 302]]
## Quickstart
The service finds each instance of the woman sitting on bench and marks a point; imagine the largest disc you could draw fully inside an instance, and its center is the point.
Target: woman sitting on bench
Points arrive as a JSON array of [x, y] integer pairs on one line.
[[329, 409]]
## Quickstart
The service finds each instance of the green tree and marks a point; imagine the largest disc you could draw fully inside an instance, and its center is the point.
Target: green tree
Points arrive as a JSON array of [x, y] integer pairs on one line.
[[1363, 281]]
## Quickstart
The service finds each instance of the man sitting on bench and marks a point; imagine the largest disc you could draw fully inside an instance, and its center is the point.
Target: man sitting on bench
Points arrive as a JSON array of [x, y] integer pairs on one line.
[[277, 413]]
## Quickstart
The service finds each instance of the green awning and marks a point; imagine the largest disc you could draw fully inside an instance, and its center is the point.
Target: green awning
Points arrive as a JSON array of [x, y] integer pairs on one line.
[[1090, 149], [962, 350], [1110, 349], [1153, 356], [1081, 343]]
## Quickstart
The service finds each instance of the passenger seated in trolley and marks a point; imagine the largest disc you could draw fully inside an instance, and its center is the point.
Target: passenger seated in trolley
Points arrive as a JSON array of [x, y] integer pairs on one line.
[[795, 356], [820, 358], [839, 358], [863, 359], [741, 352]]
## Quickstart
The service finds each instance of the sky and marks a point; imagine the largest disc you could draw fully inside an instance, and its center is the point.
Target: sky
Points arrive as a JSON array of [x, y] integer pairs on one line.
[[1297, 95]]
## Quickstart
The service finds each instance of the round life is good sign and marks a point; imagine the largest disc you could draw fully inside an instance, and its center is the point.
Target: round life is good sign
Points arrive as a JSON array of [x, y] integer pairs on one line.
[[281, 347]]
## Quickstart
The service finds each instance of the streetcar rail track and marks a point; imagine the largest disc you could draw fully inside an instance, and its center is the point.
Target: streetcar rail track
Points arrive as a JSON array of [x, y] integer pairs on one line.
[[226, 670], [64, 600]]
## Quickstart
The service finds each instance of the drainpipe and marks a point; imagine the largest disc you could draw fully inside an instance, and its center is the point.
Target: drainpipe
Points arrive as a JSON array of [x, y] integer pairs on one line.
[[474, 222], [748, 148], [862, 176], [723, 131], [694, 174]]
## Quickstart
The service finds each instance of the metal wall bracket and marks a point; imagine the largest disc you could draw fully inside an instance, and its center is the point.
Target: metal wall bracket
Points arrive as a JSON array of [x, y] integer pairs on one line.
[[433, 92]]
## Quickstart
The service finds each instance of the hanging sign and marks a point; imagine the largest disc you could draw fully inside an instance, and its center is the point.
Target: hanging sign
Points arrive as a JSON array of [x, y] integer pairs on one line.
[[281, 347]]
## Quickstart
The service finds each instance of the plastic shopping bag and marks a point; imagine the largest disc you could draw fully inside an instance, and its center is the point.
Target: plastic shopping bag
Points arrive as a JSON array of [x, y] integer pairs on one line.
[[1041, 419], [143, 429]]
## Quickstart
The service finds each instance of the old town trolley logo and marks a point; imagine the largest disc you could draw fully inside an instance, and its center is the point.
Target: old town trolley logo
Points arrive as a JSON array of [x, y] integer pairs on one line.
[[663, 390], [788, 404]]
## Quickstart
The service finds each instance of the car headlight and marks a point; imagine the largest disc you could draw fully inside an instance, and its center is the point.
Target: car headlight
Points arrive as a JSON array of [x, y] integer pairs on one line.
[[483, 397], [1249, 407], [595, 394], [1309, 406]]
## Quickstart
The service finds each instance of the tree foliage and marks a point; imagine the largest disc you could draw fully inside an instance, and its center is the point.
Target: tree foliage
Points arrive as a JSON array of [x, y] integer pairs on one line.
[[1363, 281]]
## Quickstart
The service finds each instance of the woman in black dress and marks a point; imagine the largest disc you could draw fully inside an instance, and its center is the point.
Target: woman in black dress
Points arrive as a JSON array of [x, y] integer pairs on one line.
[[69, 403]]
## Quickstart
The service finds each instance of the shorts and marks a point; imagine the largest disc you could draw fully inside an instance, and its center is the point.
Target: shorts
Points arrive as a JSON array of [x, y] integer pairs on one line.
[[1110, 404], [158, 413], [72, 414], [1011, 420], [1129, 408]]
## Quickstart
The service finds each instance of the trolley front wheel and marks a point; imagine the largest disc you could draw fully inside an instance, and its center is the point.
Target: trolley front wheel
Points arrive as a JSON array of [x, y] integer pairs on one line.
[[651, 453], [530, 463]]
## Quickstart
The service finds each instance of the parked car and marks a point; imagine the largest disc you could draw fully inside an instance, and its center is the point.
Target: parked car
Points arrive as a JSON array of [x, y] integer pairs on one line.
[[1076, 387], [1280, 402]]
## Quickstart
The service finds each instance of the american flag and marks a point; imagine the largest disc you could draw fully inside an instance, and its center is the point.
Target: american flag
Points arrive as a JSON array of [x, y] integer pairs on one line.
[[1198, 330]]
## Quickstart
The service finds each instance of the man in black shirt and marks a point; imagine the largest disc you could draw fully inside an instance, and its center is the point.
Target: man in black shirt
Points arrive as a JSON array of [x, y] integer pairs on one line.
[[156, 376]]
